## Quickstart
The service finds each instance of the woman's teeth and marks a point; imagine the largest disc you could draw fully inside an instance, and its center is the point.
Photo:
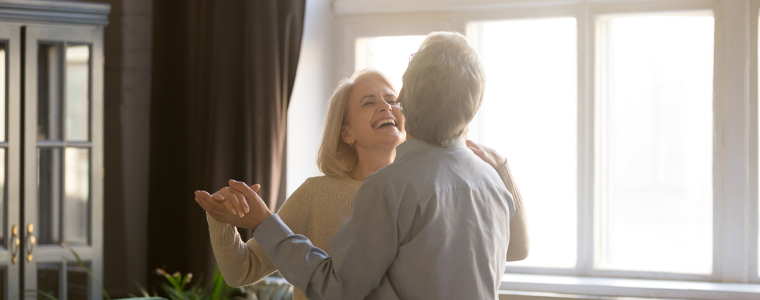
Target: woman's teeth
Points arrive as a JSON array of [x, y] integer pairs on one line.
[[386, 122]]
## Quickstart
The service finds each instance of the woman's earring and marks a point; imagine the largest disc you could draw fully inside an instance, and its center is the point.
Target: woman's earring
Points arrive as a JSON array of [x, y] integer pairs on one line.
[[352, 143]]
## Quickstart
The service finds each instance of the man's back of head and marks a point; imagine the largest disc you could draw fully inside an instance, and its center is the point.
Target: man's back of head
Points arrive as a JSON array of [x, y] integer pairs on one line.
[[443, 88]]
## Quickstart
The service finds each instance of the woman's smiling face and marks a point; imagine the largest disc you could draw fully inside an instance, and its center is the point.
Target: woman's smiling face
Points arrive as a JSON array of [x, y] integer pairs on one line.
[[374, 118]]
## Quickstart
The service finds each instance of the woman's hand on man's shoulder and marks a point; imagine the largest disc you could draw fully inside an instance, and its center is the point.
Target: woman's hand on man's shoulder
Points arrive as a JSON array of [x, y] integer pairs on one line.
[[488, 155]]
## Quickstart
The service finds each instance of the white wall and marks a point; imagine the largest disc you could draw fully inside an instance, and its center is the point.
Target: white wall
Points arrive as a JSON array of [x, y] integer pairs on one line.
[[313, 87], [343, 7]]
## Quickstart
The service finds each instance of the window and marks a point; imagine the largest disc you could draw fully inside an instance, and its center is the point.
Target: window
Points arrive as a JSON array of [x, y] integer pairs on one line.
[[625, 123], [655, 143], [388, 54], [534, 126], [653, 153]]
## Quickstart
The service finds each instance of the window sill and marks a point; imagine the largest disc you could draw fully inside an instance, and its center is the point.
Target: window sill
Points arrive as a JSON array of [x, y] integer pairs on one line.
[[629, 287]]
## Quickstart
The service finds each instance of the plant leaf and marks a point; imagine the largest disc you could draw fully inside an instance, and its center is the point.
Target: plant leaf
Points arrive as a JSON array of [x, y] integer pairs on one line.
[[142, 291], [218, 286]]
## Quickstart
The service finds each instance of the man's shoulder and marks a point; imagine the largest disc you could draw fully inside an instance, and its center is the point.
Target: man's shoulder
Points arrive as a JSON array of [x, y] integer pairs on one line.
[[421, 173], [439, 170], [431, 162], [404, 171]]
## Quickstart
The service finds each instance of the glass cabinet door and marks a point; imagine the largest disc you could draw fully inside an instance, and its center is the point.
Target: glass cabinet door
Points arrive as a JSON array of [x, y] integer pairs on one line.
[[10, 146], [63, 161]]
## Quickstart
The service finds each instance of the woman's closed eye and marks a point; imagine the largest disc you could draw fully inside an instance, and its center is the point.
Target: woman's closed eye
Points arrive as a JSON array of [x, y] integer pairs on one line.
[[368, 100], [391, 99]]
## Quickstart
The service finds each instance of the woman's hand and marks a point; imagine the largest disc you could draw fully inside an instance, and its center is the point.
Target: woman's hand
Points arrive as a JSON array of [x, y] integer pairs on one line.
[[242, 193], [259, 211], [234, 200], [488, 155], [217, 210]]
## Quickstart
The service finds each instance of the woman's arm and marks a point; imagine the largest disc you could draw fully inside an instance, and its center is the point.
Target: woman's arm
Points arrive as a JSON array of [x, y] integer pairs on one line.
[[246, 263], [240, 263], [519, 241]]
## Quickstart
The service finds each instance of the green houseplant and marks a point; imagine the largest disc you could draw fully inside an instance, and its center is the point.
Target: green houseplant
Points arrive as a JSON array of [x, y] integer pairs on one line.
[[176, 287]]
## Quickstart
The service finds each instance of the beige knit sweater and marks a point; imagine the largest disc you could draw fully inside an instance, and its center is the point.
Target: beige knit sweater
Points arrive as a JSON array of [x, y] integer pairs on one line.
[[317, 209]]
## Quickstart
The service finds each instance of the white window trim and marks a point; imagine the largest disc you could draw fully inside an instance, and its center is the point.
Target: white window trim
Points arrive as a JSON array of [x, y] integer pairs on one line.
[[754, 179], [735, 157], [624, 287]]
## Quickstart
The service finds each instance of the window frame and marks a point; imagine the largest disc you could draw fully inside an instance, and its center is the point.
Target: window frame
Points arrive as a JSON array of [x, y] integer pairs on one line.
[[754, 140], [735, 91]]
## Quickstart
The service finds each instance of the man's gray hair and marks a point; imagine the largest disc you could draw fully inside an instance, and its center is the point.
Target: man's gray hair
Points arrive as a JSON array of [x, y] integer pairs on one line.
[[443, 88]]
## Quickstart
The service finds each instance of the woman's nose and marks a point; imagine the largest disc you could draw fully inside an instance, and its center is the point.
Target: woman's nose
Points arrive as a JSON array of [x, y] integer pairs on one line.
[[385, 106]]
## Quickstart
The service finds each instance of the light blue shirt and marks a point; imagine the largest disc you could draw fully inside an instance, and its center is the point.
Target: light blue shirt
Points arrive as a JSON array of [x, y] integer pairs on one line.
[[432, 225]]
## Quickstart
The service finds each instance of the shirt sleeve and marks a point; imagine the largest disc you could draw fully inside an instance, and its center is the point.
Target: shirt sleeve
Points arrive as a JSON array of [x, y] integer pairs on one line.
[[246, 263], [519, 240], [362, 249]]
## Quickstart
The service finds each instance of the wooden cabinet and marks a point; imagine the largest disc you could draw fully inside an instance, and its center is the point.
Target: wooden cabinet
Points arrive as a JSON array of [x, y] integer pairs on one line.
[[51, 148]]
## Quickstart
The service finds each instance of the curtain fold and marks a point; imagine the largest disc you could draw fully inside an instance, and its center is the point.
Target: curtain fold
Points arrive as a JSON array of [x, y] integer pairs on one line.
[[223, 73]]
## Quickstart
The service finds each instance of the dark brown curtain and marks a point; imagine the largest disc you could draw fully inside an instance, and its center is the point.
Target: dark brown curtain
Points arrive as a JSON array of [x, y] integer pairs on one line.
[[223, 72]]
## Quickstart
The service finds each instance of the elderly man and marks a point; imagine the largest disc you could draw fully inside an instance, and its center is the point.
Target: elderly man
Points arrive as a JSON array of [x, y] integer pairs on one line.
[[434, 224]]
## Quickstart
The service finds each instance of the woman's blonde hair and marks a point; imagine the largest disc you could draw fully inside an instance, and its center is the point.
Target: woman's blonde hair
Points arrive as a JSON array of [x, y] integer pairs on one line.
[[443, 88], [335, 157]]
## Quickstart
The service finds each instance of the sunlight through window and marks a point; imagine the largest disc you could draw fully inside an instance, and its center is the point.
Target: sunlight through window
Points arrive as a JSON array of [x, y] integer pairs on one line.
[[655, 127], [529, 114], [388, 54]]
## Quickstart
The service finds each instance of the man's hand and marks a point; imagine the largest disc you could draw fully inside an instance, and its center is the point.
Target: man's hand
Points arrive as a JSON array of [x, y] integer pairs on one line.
[[258, 209], [234, 200], [488, 155]]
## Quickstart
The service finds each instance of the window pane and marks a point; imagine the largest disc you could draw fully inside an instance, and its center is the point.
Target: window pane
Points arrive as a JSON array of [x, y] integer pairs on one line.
[[49, 195], [655, 140], [77, 212], [77, 92], [76, 282], [49, 104], [388, 54], [534, 126], [49, 279]]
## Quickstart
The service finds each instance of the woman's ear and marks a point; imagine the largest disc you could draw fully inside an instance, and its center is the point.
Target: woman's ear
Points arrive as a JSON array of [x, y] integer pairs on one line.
[[346, 136]]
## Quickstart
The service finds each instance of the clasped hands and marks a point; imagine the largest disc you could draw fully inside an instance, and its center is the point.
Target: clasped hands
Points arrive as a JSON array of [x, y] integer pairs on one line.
[[237, 205]]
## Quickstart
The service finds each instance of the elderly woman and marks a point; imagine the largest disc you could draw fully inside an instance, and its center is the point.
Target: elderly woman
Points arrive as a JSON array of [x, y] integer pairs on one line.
[[363, 128]]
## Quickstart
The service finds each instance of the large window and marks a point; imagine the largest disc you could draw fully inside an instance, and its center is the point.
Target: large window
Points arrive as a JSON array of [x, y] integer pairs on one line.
[[626, 127], [655, 142], [655, 124]]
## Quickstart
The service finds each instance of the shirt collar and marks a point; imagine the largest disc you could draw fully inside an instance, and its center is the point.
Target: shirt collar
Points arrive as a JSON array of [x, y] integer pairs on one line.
[[415, 145]]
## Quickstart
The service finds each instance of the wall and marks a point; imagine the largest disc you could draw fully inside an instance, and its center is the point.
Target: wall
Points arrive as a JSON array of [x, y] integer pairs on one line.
[[128, 39], [136, 29], [315, 80]]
